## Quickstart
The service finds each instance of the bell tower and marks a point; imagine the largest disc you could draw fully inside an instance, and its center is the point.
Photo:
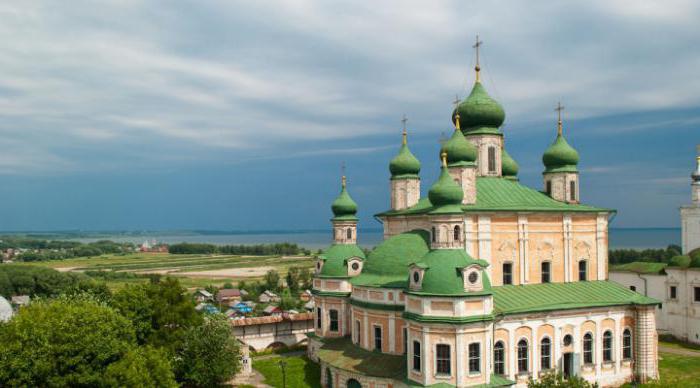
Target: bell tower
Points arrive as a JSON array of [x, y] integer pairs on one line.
[[560, 160], [690, 214]]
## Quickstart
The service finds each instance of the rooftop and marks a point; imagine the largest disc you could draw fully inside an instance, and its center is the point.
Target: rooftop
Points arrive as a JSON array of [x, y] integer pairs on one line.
[[343, 354]]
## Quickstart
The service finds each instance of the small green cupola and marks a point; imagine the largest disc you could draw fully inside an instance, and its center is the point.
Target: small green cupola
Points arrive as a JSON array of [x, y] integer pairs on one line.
[[446, 195], [560, 156], [460, 151], [344, 208], [509, 167], [404, 165]]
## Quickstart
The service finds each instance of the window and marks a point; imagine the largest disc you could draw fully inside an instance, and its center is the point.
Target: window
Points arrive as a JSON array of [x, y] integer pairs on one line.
[[333, 314], [457, 233], [378, 338], [633, 288], [474, 358], [672, 292], [523, 361], [546, 353], [499, 360], [473, 277], [627, 344], [549, 187], [492, 159], [582, 270], [416, 277], [349, 234], [607, 346], [507, 273], [433, 234], [405, 340], [546, 271], [358, 335], [572, 187], [588, 348], [416, 356], [319, 315], [568, 339], [443, 359], [696, 294], [355, 266]]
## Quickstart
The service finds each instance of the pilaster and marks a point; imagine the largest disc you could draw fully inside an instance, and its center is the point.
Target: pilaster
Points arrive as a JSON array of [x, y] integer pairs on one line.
[[567, 247], [645, 344]]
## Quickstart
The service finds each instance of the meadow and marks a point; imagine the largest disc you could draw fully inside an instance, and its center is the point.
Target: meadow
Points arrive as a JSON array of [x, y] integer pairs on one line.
[[192, 270]]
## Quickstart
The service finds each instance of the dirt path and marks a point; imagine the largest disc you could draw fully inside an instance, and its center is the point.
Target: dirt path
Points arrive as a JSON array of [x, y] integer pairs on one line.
[[679, 351]]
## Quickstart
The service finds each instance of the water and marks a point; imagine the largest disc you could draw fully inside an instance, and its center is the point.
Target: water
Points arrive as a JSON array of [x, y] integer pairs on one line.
[[632, 238]]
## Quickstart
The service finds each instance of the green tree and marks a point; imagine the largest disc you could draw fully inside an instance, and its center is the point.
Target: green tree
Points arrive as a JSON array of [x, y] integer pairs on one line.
[[142, 367], [62, 343], [293, 278], [209, 355], [272, 280], [557, 380], [287, 301]]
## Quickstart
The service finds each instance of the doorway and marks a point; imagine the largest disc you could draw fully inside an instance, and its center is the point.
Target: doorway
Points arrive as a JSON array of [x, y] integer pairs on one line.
[[568, 364]]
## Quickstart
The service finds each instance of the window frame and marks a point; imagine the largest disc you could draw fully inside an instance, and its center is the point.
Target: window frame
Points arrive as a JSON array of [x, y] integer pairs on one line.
[[588, 354], [510, 272], [572, 188], [474, 358], [608, 346], [319, 318], [499, 361], [333, 322], [696, 294], [377, 339], [417, 356], [457, 233], [673, 292], [491, 159], [583, 278], [443, 361], [548, 264], [548, 187], [348, 234], [627, 349], [523, 358], [546, 355]]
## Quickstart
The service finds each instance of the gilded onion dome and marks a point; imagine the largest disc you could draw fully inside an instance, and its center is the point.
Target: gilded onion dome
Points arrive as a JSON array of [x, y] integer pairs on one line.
[[509, 167], [446, 193], [344, 208], [404, 165], [479, 112]]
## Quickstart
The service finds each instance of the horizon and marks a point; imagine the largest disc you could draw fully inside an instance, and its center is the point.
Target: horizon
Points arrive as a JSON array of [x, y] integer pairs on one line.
[[129, 116]]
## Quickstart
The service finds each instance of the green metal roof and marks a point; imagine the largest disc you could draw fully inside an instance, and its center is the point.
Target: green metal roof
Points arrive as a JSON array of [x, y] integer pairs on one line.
[[387, 265], [479, 112], [443, 275], [334, 259], [344, 208], [404, 163], [343, 354], [641, 267], [564, 296], [501, 194], [459, 149]]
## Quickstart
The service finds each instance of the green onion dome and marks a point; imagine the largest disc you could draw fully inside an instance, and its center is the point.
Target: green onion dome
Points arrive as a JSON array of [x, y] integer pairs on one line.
[[509, 167], [404, 164], [479, 111], [344, 207], [560, 156], [445, 191], [443, 275], [459, 150]]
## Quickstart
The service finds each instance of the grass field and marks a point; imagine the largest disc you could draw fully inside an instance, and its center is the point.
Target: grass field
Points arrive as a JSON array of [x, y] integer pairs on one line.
[[300, 371], [192, 270]]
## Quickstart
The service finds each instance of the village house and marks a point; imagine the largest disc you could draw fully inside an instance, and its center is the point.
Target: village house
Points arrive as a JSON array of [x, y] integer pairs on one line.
[[268, 297], [203, 296]]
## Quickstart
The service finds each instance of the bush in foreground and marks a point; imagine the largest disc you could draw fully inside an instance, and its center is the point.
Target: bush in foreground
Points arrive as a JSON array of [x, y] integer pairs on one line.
[[557, 380]]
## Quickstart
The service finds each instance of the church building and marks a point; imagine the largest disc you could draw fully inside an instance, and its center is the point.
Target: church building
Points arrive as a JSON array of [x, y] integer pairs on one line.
[[483, 283]]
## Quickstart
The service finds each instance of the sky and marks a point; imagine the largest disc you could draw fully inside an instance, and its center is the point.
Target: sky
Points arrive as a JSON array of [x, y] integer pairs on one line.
[[227, 115]]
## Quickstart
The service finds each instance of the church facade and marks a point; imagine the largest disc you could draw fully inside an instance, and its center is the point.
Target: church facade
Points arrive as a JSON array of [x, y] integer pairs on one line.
[[483, 283]]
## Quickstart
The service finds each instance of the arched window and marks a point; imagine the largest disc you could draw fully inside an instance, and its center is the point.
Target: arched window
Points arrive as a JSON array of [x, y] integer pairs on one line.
[[588, 348], [607, 346], [492, 159], [546, 353], [349, 234], [523, 357], [499, 359], [627, 344], [333, 315], [507, 273], [432, 234], [546, 272], [582, 270], [457, 235]]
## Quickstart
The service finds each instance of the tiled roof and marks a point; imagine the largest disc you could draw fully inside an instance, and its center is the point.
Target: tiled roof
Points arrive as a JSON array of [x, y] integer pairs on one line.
[[500, 194], [640, 267], [564, 296]]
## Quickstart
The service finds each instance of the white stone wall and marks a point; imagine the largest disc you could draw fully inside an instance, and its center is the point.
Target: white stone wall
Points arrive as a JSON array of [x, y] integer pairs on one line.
[[404, 193], [482, 143], [466, 178], [683, 313], [561, 186], [690, 224], [651, 285]]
